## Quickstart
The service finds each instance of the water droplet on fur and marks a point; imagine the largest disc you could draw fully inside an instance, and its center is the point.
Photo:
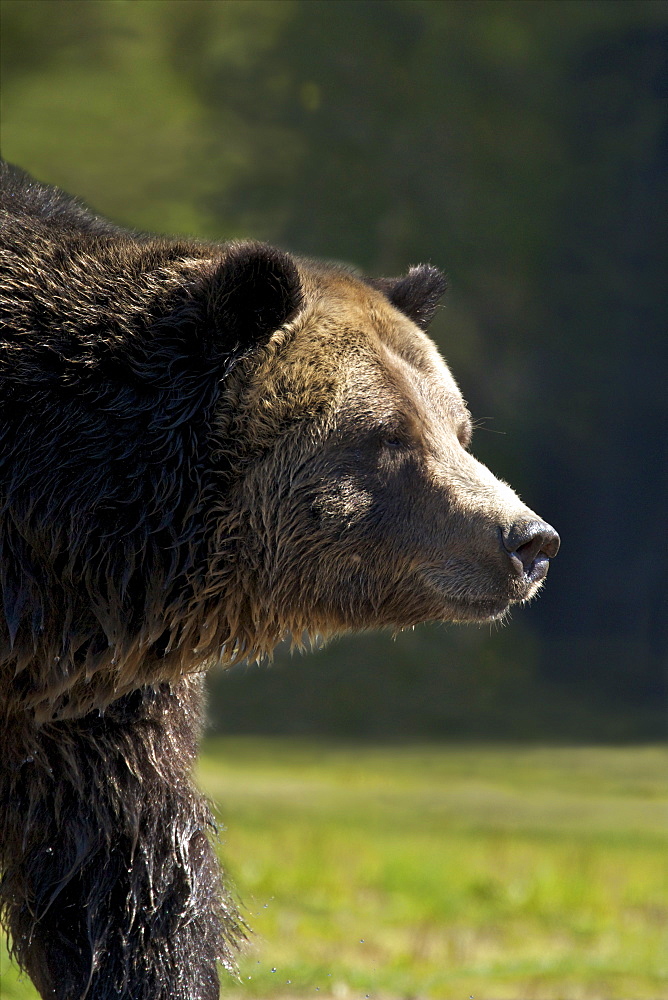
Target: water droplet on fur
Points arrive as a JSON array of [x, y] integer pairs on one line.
[[27, 760], [273, 970]]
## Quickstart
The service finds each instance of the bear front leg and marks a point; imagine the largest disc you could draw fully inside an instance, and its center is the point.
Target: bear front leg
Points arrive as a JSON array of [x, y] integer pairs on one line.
[[111, 886]]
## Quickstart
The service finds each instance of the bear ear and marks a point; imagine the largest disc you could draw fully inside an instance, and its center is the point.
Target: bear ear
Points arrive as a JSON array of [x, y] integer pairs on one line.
[[223, 309], [252, 292], [416, 294]]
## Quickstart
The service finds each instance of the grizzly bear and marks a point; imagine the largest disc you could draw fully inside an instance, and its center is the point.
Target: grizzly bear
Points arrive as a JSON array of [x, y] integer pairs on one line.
[[205, 449]]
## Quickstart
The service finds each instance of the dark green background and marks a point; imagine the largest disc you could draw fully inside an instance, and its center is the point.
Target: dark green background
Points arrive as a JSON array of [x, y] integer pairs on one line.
[[522, 147]]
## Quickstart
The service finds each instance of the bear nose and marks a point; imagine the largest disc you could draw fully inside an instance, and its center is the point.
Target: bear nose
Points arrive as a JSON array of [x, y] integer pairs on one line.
[[530, 544]]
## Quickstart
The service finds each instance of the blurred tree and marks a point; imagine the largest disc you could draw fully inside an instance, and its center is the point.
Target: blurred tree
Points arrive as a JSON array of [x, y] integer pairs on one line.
[[522, 147], [608, 346]]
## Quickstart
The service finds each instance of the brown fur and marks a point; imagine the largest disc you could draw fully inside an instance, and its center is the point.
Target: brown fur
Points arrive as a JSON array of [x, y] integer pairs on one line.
[[206, 449]]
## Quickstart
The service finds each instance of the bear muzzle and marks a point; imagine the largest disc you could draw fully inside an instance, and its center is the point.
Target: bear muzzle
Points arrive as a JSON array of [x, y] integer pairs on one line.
[[484, 583]]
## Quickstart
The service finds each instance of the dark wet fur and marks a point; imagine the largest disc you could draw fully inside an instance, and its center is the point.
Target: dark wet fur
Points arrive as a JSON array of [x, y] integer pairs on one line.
[[111, 885], [113, 351]]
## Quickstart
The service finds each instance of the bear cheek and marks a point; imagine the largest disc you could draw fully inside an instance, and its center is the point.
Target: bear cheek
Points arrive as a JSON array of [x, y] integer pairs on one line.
[[341, 504], [367, 539]]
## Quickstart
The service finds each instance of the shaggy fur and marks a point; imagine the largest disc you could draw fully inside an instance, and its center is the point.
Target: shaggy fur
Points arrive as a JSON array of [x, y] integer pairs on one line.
[[205, 449], [111, 885]]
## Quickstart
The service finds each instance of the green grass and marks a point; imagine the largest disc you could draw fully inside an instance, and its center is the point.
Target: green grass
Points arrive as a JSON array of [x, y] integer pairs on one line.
[[443, 872]]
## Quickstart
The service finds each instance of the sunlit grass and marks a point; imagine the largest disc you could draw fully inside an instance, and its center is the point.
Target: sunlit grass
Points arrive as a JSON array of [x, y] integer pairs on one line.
[[444, 872]]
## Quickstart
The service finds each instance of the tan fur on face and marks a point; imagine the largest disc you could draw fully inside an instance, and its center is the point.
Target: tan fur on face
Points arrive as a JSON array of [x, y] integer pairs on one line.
[[310, 554]]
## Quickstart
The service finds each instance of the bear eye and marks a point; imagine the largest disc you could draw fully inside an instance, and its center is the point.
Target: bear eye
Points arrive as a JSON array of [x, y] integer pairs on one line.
[[391, 439]]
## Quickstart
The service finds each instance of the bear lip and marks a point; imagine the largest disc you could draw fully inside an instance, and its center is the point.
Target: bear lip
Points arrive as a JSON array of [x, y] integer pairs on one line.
[[535, 572], [474, 607], [480, 607]]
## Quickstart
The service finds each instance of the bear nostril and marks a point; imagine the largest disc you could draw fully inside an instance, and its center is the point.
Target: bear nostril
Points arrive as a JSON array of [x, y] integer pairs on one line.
[[525, 541]]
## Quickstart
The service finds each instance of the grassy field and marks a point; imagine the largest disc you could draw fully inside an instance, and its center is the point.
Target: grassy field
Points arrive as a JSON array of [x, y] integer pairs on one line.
[[442, 872]]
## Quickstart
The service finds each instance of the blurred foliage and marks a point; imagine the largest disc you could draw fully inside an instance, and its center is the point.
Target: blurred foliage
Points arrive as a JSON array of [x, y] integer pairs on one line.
[[523, 148]]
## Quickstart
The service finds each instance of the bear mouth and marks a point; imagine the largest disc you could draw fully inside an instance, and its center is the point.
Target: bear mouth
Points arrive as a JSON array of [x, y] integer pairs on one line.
[[466, 599]]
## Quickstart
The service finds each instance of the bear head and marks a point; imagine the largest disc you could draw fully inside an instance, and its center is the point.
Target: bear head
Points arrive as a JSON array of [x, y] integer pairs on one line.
[[355, 499], [207, 449]]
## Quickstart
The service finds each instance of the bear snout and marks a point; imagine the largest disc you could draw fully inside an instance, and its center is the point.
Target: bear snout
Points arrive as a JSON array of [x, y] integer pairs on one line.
[[530, 544]]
